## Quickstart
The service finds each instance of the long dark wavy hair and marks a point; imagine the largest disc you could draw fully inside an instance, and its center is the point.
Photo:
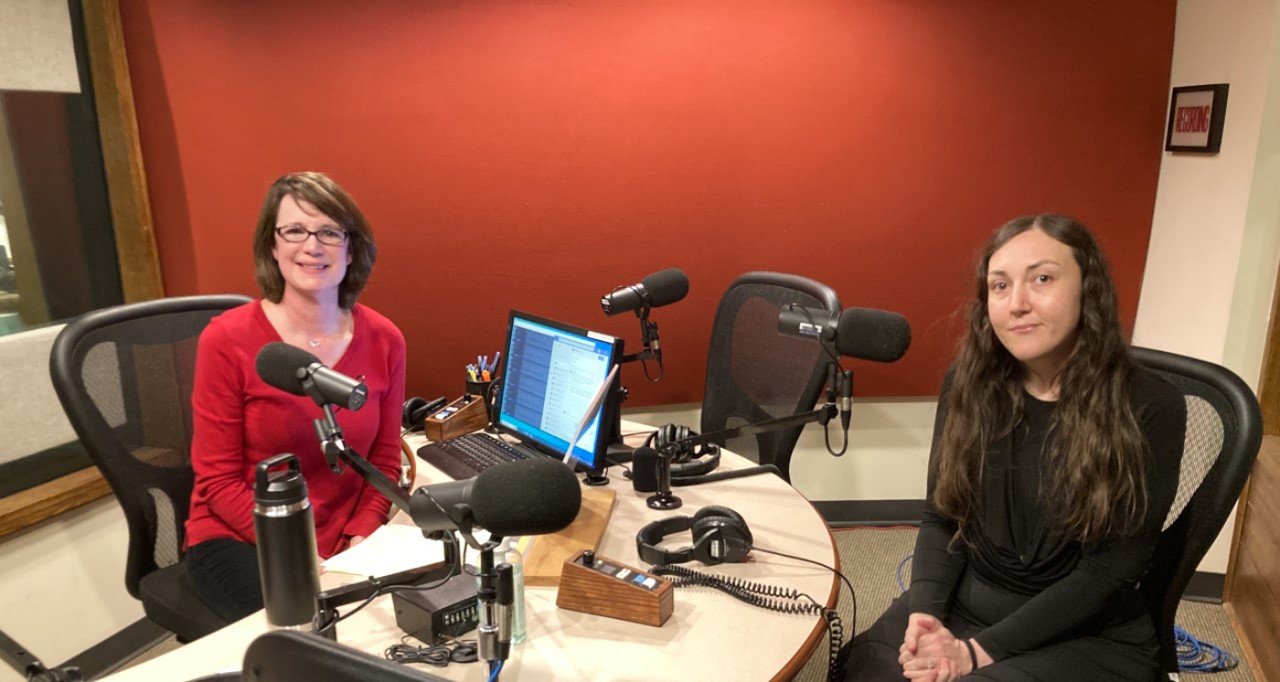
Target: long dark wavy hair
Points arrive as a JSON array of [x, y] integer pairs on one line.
[[1095, 455]]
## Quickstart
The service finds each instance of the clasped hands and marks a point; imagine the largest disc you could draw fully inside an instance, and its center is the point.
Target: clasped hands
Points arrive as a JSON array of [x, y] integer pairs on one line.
[[930, 653]]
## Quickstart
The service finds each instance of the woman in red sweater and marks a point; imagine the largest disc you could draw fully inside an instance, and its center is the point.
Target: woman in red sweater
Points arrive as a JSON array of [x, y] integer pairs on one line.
[[314, 252]]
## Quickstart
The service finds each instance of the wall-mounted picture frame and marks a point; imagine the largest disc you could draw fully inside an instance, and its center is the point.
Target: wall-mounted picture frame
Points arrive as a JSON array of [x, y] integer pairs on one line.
[[1196, 115]]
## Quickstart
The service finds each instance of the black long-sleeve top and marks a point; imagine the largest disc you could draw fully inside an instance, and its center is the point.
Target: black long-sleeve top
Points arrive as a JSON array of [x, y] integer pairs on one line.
[[1072, 589]]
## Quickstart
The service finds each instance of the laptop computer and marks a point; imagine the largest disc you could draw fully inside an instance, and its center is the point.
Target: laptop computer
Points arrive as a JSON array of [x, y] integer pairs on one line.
[[550, 373]]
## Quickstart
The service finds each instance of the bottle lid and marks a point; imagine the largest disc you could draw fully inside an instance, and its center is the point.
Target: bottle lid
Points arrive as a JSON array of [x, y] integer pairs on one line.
[[281, 487]]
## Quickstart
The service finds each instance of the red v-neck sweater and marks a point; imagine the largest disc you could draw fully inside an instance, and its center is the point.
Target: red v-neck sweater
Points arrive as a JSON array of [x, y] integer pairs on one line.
[[239, 421]]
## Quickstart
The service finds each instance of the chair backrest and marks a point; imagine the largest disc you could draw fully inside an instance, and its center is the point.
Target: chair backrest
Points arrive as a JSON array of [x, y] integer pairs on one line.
[[1224, 432], [124, 377], [754, 373], [291, 656]]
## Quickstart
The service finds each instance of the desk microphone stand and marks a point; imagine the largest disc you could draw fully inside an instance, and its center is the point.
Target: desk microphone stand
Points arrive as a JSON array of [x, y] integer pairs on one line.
[[497, 586], [650, 349], [337, 454]]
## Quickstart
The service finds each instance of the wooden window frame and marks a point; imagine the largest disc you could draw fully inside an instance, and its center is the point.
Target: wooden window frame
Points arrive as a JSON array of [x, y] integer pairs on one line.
[[134, 233]]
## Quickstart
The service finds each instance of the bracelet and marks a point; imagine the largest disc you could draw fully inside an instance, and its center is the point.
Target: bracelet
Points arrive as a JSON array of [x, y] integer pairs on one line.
[[973, 655]]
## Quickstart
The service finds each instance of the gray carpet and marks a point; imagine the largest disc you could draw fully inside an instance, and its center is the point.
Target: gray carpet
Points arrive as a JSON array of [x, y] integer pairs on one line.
[[869, 558]]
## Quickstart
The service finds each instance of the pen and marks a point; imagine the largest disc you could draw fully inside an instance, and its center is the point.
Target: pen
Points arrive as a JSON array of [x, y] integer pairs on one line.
[[484, 374], [496, 356]]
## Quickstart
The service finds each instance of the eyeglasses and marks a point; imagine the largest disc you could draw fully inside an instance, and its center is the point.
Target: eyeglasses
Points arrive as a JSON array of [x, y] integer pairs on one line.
[[296, 234]]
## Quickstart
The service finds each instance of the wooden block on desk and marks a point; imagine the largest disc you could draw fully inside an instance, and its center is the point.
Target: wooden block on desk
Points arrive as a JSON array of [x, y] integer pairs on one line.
[[458, 418], [546, 558], [607, 588]]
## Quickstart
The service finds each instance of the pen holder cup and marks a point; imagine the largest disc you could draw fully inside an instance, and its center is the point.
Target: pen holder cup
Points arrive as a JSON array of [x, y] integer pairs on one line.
[[481, 390]]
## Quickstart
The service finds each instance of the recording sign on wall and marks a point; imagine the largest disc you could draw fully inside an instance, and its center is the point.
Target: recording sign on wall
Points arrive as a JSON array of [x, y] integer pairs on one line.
[[1196, 115]]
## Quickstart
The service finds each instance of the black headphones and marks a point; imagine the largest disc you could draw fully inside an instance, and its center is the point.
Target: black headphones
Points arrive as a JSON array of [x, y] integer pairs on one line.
[[687, 461], [720, 535], [416, 410]]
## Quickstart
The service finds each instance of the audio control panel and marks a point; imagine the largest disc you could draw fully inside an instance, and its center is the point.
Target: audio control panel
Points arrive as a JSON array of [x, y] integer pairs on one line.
[[620, 572], [602, 586]]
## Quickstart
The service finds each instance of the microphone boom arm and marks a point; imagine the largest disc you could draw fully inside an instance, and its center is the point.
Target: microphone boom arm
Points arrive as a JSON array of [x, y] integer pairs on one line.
[[328, 601], [823, 413]]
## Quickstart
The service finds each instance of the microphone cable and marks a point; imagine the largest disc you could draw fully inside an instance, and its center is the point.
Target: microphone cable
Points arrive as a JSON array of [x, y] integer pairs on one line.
[[727, 475], [440, 655], [838, 375]]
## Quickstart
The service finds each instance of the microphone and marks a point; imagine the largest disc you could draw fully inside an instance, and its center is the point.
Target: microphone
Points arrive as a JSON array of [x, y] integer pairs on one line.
[[526, 497], [814, 323], [661, 288], [869, 334], [296, 371], [863, 333]]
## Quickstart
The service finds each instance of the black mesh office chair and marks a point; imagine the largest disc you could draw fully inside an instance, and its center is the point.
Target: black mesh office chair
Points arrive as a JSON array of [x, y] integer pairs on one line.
[[754, 373], [124, 377], [1224, 431]]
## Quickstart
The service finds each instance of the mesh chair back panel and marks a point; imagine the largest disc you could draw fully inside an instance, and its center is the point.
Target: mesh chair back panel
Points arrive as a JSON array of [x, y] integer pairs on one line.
[[1203, 445], [168, 535], [753, 372], [125, 377]]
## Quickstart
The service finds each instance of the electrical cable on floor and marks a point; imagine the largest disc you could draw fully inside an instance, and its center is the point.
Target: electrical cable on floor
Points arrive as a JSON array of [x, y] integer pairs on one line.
[[1194, 655], [902, 585], [1197, 656]]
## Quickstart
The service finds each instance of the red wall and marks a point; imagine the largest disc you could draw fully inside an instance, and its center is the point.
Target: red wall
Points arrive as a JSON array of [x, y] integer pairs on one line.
[[535, 155]]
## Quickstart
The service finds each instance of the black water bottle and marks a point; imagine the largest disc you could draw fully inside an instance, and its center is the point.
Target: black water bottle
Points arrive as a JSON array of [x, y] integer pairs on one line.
[[286, 530]]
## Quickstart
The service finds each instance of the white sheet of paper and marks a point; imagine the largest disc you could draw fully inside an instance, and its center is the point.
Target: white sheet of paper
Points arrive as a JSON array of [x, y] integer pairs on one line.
[[392, 548]]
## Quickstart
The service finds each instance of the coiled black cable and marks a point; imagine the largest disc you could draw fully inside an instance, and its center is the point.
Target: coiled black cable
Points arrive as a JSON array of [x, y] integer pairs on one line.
[[440, 655], [771, 597]]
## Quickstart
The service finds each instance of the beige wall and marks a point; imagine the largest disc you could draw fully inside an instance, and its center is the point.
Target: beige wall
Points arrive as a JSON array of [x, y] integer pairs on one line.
[[62, 583], [1212, 261]]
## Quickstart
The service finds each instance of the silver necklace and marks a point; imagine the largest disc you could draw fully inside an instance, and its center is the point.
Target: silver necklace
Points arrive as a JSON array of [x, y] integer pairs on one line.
[[315, 344]]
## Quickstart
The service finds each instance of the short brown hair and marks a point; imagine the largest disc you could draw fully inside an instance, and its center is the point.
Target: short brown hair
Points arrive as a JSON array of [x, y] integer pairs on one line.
[[329, 198]]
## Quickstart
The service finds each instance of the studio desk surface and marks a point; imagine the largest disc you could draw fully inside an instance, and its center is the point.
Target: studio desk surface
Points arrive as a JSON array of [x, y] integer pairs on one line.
[[709, 636]]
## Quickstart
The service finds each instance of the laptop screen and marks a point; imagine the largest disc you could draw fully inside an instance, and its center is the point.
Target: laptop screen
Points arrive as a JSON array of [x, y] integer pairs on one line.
[[551, 370]]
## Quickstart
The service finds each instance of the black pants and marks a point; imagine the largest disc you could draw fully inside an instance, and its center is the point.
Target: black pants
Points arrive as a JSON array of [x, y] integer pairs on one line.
[[1121, 653], [224, 574]]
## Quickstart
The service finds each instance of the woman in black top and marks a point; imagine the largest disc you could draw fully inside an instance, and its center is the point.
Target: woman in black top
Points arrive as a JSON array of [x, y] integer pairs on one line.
[[1055, 460]]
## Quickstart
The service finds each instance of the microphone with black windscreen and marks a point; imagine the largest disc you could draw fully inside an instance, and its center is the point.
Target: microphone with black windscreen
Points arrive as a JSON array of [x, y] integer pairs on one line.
[[296, 371], [870, 334], [658, 289], [862, 333], [526, 497]]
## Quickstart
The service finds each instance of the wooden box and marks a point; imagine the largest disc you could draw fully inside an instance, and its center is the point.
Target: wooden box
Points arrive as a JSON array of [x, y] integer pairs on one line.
[[608, 588], [458, 418]]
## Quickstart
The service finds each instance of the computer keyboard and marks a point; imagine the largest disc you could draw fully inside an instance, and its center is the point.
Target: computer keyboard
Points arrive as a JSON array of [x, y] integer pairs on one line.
[[467, 456]]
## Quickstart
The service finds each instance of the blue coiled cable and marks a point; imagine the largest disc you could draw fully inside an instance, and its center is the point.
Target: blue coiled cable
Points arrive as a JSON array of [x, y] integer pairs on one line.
[[1196, 656]]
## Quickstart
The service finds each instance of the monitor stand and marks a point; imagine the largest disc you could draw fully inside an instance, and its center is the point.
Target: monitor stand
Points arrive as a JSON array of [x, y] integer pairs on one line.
[[596, 477]]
